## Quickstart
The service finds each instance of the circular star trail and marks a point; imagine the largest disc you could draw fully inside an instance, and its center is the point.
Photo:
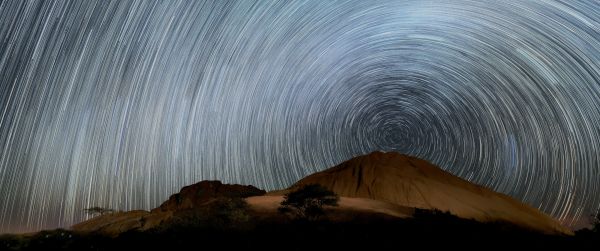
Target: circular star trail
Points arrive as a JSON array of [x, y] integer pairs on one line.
[[120, 103]]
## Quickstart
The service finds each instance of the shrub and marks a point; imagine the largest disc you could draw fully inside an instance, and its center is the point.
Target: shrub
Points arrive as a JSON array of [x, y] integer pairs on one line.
[[306, 203]]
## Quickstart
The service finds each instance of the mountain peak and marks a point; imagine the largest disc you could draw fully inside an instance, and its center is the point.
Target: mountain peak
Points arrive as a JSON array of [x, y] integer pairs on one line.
[[408, 181], [389, 159], [380, 155]]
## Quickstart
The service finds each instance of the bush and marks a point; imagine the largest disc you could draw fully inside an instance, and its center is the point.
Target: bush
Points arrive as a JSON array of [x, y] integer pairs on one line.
[[596, 223], [306, 203]]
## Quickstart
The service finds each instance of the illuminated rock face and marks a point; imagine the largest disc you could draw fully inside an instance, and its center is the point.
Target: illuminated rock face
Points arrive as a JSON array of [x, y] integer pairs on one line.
[[379, 183], [197, 194], [412, 182], [190, 198]]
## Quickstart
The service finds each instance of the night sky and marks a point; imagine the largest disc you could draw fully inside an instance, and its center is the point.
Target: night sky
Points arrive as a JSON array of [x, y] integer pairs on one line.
[[121, 103]]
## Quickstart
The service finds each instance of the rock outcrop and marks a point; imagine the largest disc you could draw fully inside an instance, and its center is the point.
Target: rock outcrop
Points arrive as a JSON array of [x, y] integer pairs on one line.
[[190, 197], [198, 194], [384, 184], [412, 182]]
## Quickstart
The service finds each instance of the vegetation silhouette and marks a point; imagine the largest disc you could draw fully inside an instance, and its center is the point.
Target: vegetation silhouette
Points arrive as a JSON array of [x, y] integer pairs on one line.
[[230, 224], [596, 223], [307, 202]]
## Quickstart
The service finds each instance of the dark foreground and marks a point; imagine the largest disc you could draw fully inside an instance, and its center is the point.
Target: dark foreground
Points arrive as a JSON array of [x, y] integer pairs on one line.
[[426, 230]]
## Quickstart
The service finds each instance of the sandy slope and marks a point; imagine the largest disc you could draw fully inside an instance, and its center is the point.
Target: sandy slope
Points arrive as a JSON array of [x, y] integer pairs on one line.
[[269, 204], [387, 184], [411, 182], [116, 223]]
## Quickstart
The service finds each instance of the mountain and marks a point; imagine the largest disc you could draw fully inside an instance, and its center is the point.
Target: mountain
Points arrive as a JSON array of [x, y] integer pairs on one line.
[[190, 199], [378, 185], [412, 182], [386, 201]]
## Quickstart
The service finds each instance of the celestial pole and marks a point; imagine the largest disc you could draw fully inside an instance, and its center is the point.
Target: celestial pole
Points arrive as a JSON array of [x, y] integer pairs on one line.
[[121, 103]]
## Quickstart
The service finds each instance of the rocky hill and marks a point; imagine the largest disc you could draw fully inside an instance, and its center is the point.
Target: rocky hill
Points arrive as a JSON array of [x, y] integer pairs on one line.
[[412, 182], [382, 184]]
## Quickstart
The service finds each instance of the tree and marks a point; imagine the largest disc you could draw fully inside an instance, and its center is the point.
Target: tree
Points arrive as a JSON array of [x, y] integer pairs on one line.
[[306, 203], [596, 222], [98, 211]]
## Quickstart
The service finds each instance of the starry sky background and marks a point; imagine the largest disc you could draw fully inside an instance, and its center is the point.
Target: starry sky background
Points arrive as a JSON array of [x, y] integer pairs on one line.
[[121, 103]]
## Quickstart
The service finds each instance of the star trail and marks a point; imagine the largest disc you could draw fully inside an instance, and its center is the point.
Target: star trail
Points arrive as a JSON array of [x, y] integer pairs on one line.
[[121, 103]]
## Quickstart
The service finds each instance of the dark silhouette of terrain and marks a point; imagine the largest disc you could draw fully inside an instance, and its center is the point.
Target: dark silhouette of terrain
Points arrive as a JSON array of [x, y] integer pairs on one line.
[[427, 229], [372, 202]]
